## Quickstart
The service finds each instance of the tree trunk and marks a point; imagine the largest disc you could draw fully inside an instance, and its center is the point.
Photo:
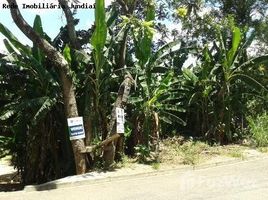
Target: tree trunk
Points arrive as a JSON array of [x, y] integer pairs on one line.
[[67, 85], [124, 90], [71, 111], [155, 135]]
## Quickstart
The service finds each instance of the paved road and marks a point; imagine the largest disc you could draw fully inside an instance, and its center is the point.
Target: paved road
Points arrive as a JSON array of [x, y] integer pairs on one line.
[[241, 181]]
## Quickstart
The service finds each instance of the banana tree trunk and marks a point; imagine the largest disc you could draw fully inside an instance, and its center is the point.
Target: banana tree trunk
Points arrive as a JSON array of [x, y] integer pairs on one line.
[[155, 134]]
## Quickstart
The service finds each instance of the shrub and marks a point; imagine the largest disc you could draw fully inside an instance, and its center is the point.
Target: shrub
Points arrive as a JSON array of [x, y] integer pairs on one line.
[[143, 154], [259, 129]]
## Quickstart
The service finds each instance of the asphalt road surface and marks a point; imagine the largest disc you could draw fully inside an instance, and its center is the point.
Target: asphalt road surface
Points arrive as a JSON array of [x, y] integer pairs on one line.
[[241, 181]]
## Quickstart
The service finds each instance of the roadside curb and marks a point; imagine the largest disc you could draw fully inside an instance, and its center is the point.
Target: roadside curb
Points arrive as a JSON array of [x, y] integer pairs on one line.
[[94, 178]]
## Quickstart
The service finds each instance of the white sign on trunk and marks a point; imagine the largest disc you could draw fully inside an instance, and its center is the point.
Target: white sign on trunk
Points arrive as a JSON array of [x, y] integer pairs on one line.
[[76, 128], [120, 120]]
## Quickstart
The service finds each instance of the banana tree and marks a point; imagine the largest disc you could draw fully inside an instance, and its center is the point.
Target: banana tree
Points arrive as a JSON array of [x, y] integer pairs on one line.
[[153, 100], [234, 66], [223, 71], [32, 110], [62, 65]]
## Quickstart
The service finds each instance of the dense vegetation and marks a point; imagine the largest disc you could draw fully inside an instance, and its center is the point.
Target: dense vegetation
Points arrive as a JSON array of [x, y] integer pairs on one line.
[[221, 97]]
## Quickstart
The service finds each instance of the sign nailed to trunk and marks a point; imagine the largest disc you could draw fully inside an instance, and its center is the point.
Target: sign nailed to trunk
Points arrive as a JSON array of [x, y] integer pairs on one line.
[[76, 128], [120, 120]]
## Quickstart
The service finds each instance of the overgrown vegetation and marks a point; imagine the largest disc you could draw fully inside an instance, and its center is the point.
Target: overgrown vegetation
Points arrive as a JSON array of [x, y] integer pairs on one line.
[[220, 98], [259, 128]]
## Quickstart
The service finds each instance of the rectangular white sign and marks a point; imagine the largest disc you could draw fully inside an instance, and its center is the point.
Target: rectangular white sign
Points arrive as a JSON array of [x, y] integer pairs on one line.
[[76, 128], [120, 120]]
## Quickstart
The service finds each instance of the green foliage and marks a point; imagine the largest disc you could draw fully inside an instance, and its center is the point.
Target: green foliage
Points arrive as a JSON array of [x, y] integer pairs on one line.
[[212, 96], [5, 143], [67, 54], [156, 93], [143, 153], [259, 129], [13, 40], [99, 36], [32, 110], [213, 99]]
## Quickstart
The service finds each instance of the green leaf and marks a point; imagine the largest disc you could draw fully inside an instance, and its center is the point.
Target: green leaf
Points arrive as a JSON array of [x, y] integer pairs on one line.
[[7, 114], [38, 28], [164, 50], [165, 119], [143, 34], [175, 108], [9, 47], [82, 56], [161, 89], [190, 76], [235, 44], [100, 34], [14, 41], [112, 16], [150, 13], [134, 100], [67, 53], [254, 62], [44, 109], [236, 39], [172, 117], [249, 80]]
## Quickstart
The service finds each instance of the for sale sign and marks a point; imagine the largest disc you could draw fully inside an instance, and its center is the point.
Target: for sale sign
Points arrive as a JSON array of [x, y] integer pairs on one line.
[[120, 120], [76, 128]]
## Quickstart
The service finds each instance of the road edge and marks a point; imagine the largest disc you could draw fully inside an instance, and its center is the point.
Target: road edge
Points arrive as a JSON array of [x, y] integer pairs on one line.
[[88, 178]]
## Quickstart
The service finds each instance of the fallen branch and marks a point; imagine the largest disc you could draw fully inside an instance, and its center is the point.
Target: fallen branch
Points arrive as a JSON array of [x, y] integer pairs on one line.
[[92, 148]]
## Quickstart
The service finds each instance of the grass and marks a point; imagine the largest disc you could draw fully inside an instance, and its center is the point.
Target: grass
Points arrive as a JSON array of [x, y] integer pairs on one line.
[[156, 165], [236, 154], [176, 151], [234, 151], [263, 149], [191, 152], [125, 162], [259, 129]]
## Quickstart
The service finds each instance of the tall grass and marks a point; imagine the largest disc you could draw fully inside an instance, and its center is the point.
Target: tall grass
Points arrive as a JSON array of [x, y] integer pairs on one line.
[[259, 129]]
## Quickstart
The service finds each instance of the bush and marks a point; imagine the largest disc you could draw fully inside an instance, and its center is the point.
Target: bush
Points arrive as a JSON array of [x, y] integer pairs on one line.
[[145, 154], [259, 129]]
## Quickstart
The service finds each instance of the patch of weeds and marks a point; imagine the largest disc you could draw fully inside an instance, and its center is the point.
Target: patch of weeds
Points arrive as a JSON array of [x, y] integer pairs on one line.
[[259, 129], [191, 152], [234, 151], [237, 154], [263, 149], [156, 165], [144, 154], [125, 161], [215, 150]]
